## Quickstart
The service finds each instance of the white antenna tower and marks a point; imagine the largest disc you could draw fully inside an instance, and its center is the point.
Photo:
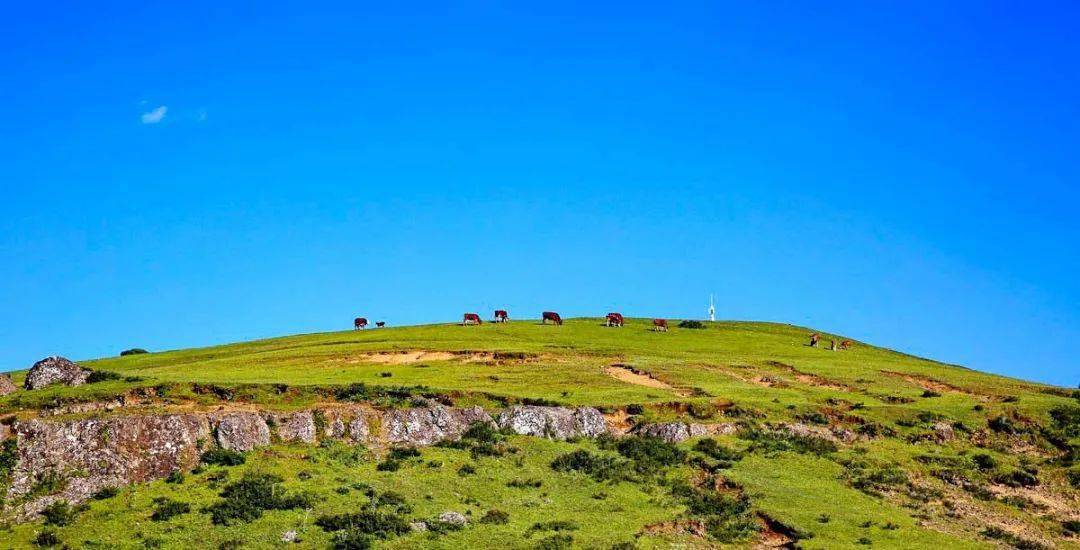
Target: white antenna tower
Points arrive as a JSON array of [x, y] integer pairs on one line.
[[712, 309]]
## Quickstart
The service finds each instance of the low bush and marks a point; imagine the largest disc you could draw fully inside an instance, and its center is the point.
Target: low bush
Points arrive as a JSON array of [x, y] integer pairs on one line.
[[525, 483], [649, 455], [1071, 526], [247, 499], [223, 457], [712, 449], [375, 523], [102, 376], [59, 513], [771, 442], [596, 466], [176, 477], [1024, 477], [46, 538], [930, 393], [132, 351], [984, 462], [727, 518], [1067, 419], [388, 465], [557, 526], [558, 541], [167, 508], [496, 517], [702, 411], [692, 324], [105, 493]]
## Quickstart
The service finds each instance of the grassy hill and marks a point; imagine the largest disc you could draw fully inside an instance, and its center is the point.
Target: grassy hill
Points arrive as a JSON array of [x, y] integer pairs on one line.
[[831, 448]]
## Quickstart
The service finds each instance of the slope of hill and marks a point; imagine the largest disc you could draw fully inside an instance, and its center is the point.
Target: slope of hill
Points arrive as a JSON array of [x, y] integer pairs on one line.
[[735, 434]]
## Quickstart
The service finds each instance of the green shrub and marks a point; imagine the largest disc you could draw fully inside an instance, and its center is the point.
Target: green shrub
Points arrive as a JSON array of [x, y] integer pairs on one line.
[[813, 417], [59, 513], [223, 457], [1071, 526], [9, 455], [984, 462], [133, 351], [692, 324], [930, 393], [372, 523], [525, 483], [176, 477], [702, 411], [774, 442], [1027, 477], [102, 376], [105, 493], [466, 470], [558, 541], [403, 453], [388, 465], [727, 518], [46, 539], [496, 517], [635, 409], [1067, 419], [650, 455], [245, 500], [557, 526], [598, 467], [167, 508], [712, 449], [1074, 477]]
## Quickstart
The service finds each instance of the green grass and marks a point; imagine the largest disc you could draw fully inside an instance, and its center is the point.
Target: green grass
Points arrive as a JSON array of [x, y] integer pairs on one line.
[[764, 370]]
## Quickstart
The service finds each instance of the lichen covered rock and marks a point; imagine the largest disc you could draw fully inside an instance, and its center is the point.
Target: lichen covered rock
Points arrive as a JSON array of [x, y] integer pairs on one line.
[[7, 387], [55, 370], [90, 454], [553, 422], [297, 426], [241, 431], [429, 425]]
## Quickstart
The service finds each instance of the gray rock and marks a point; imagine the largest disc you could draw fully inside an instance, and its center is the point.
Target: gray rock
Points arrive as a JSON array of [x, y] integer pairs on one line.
[[418, 526], [672, 432], [335, 424], [297, 426], [106, 452], [806, 430], [241, 431], [453, 518], [943, 432], [55, 370], [553, 422], [359, 430], [427, 426], [289, 536], [7, 387]]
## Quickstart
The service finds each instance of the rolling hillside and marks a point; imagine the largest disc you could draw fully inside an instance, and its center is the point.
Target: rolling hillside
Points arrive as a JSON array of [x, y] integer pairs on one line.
[[736, 434]]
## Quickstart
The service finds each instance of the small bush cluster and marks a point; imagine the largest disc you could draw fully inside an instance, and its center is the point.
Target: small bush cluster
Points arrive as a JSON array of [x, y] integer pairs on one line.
[[133, 351], [102, 376], [771, 442], [60, 513], [105, 493], [382, 518], [396, 458], [692, 324], [223, 457], [648, 455], [167, 508], [495, 517], [597, 466], [1026, 476], [247, 499], [873, 479], [717, 456], [727, 518], [998, 533]]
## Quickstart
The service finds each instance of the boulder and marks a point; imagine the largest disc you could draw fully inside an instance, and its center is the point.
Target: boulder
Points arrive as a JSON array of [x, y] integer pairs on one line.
[[55, 370], [553, 422], [105, 452], [806, 430], [359, 430], [297, 426], [672, 432], [943, 432], [7, 387], [453, 518], [335, 424], [289, 536], [429, 425], [241, 431]]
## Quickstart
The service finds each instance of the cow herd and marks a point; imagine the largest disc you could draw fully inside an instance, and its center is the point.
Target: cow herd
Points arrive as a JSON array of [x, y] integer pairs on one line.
[[501, 316]]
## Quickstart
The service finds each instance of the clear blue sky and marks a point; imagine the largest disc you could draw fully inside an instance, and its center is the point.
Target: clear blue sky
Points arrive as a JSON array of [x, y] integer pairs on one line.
[[902, 173]]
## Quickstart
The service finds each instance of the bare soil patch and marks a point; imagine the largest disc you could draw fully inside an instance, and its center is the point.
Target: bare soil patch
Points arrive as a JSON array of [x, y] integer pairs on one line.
[[812, 379], [630, 375], [931, 384]]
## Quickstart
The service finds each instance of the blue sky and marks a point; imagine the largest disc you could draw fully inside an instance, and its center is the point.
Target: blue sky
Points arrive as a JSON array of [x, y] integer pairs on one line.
[[902, 173]]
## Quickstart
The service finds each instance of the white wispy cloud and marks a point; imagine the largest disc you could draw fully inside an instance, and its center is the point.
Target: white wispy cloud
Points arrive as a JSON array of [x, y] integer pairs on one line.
[[154, 116]]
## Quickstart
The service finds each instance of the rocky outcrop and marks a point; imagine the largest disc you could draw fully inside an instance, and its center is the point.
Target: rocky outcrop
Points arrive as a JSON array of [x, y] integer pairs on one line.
[[7, 387], [55, 370], [91, 454], [297, 426], [241, 431], [943, 432], [429, 425], [553, 422], [675, 432]]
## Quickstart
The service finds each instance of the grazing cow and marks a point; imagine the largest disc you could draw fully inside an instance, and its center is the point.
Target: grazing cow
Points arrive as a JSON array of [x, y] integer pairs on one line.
[[846, 344], [471, 319], [814, 339], [501, 316], [550, 316], [359, 323], [614, 320], [659, 325], [380, 324]]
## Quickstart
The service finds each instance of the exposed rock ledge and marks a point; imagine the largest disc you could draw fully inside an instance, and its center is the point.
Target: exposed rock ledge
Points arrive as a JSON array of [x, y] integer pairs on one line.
[[91, 454]]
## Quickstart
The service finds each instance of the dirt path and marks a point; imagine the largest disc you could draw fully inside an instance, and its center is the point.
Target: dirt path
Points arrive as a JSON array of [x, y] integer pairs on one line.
[[631, 375]]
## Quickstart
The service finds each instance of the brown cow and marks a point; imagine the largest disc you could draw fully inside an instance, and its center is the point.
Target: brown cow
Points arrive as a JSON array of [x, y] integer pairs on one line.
[[359, 323], [551, 316], [501, 316], [614, 320], [471, 319], [846, 344], [814, 339], [659, 325]]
